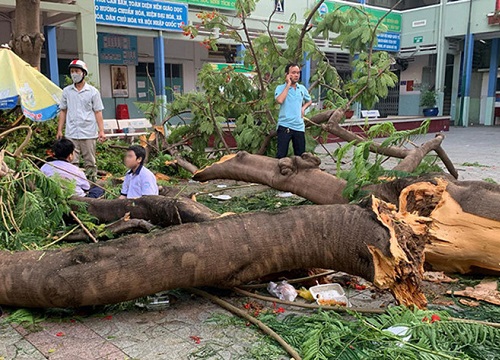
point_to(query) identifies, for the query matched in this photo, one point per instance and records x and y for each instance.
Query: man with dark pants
(294, 100)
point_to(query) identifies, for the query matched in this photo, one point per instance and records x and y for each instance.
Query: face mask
(76, 77)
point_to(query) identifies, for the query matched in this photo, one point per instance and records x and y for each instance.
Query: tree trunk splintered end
(402, 271)
(458, 240)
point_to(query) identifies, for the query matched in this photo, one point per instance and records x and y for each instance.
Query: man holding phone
(294, 100)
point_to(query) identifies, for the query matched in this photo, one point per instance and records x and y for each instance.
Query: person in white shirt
(139, 180)
(81, 113)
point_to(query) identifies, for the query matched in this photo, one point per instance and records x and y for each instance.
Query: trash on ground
(220, 197)
(305, 294)
(284, 195)
(283, 290)
(401, 331)
(158, 301)
(329, 295)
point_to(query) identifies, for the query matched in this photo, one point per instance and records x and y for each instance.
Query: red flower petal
(435, 317)
(108, 317)
(196, 339)
(60, 333)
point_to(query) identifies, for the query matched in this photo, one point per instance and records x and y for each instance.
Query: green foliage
(29, 319)
(110, 158)
(357, 30)
(490, 180)
(327, 335)
(262, 201)
(249, 98)
(367, 168)
(33, 207)
(474, 164)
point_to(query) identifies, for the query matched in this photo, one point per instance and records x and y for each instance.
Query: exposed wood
(459, 241)
(465, 218)
(486, 290)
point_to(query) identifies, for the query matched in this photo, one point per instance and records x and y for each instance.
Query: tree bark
(27, 40)
(158, 210)
(376, 243)
(298, 174)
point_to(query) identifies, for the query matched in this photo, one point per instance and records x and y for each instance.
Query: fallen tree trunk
(158, 210)
(376, 243)
(298, 174)
(465, 215)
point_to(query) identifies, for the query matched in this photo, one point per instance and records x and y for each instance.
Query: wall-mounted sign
(146, 14)
(389, 41)
(117, 49)
(419, 23)
(418, 39)
(216, 4)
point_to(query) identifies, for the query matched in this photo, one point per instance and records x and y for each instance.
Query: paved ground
(174, 333)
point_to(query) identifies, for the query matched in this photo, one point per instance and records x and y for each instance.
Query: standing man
(294, 100)
(81, 111)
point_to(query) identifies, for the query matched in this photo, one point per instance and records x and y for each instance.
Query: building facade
(450, 46)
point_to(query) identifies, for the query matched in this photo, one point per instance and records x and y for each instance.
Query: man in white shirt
(81, 112)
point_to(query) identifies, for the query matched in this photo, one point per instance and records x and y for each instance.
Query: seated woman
(61, 165)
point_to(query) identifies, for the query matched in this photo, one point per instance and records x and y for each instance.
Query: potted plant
(428, 102)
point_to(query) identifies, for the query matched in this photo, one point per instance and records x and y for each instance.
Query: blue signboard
(146, 14)
(117, 49)
(388, 41)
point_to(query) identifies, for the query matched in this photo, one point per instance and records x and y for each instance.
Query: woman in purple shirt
(61, 165)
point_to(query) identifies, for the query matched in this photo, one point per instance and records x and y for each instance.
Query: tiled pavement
(172, 333)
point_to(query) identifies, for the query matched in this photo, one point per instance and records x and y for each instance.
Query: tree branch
(305, 29)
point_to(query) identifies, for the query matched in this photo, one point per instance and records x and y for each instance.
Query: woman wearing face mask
(81, 112)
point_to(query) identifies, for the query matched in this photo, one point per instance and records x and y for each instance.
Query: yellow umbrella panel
(21, 83)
